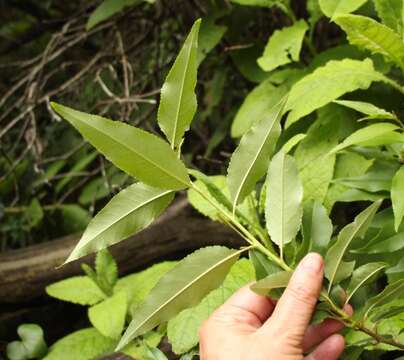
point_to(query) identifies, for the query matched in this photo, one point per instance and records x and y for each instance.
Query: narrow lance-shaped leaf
(257, 105)
(178, 100)
(372, 135)
(316, 229)
(392, 291)
(249, 161)
(328, 83)
(182, 287)
(356, 229)
(271, 282)
(283, 46)
(368, 34)
(107, 9)
(283, 210)
(128, 212)
(391, 244)
(397, 197)
(362, 275)
(372, 111)
(135, 151)
(182, 330)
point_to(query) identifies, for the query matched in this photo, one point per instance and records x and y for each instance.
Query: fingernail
(312, 262)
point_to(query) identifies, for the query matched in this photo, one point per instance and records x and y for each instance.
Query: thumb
(294, 309)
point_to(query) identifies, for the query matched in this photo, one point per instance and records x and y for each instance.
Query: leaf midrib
(255, 158)
(177, 112)
(355, 289)
(134, 151)
(144, 203)
(344, 250)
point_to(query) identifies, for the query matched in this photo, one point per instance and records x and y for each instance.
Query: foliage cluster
(318, 167)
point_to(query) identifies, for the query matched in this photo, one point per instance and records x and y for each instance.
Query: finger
(294, 309)
(247, 302)
(315, 334)
(330, 349)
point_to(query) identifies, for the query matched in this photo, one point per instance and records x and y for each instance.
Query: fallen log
(24, 273)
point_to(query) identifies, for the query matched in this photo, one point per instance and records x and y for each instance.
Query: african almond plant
(281, 184)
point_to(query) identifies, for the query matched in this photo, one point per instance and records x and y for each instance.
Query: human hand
(252, 327)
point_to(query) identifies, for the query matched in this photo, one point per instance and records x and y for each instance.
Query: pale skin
(253, 327)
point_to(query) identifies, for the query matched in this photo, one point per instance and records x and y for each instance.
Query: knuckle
(301, 293)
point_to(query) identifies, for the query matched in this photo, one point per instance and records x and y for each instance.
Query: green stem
(348, 321)
(392, 83)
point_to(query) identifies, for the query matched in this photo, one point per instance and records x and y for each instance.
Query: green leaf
(283, 46)
(106, 271)
(249, 161)
(362, 275)
(137, 286)
(345, 270)
(136, 349)
(391, 292)
(135, 151)
(256, 106)
(182, 331)
(283, 210)
(81, 345)
(368, 34)
(262, 265)
(321, 137)
(262, 3)
(390, 11)
(128, 212)
(389, 310)
(216, 190)
(316, 227)
(391, 244)
(348, 164)
(371, 135)
(153, 353)
(372, 111)
(182, 287)
(16, 351)
(333, 8)
(31, 346)
(77, 289)
(328, 83)
(108, 317)
(210, 35)
(178, 100)
(397, 197)
(399, 267)
(356, 229)
(107, 9)
(292, 142)
(378, 178)
(271, 282)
